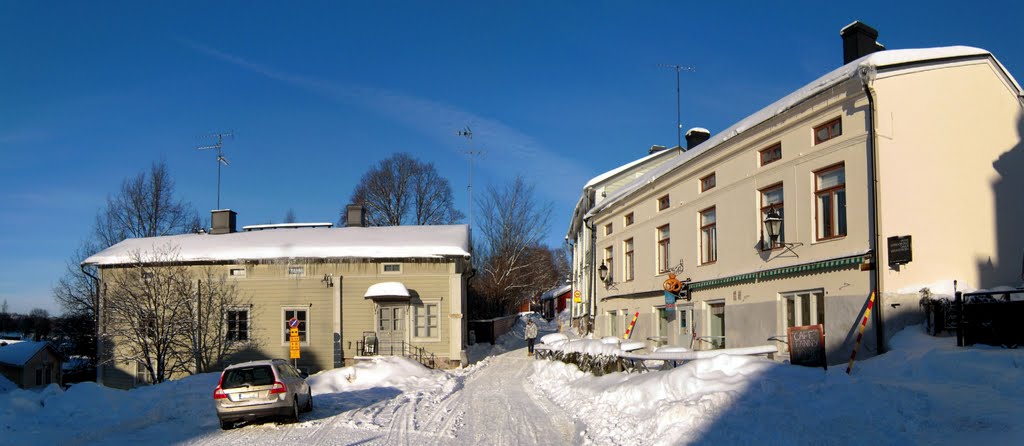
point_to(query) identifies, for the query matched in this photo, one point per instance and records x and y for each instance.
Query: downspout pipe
(96, 321)
(867, 76)
(592, 305)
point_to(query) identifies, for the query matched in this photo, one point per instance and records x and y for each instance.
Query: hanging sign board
(900, 251)
(807, 346)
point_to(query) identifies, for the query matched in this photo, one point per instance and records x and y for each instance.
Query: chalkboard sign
(807, 346)
(900, 251)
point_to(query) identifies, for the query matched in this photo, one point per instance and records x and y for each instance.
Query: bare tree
(145, 206)
(403, 190)
(220, 322)
(146, 311)
(514, 265)
(289, 217)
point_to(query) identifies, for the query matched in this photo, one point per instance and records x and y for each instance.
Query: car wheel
(294, 416)
(309, 402)
(227, 425)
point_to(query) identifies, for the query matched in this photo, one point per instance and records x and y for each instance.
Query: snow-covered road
(492, 403)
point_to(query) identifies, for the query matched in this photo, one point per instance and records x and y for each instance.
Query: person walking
(531, 335)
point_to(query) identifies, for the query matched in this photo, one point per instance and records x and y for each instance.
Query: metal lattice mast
(468, 134)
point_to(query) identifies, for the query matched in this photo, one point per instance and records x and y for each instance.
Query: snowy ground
(925, 391)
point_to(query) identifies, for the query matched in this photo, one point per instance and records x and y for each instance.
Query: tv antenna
(468, 134)
(220, 157)
(679, 123)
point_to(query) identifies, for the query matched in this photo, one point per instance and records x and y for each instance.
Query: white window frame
(284, 320)
(384, 268)
(663, 249)
(414, 320)
(242, 273)
(290, 272)
(812, 298)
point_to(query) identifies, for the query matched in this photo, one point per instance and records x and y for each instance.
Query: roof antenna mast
(220, 157)
(679, 123)
(468, 134)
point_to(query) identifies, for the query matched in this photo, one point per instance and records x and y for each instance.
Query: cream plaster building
(920, 143)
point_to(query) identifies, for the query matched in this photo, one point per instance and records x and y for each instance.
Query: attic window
(828, 130)
(628, 219)
(707, 182)
(392, 267)
(608, 229)
(296, 271)
(663, 203)
(237, 272)
(771, 154)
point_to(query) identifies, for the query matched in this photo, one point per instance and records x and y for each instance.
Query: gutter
(867, 76)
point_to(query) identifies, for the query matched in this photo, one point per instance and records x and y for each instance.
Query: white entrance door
(391, 329)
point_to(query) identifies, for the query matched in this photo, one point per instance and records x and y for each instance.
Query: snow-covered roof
(863, 67)
(555, 292)
(387, 289)
(19, 353)
(625, 167)
(324, 243)
(286, 226)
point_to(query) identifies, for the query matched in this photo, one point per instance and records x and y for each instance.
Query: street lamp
(602, 272)
(773, 222)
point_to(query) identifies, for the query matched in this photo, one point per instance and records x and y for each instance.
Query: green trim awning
(806, 268)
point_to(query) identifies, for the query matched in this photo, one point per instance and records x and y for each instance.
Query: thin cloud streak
(505, 146)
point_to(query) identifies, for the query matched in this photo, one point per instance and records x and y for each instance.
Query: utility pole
(220, 157)
(468, 134)
(679, 122)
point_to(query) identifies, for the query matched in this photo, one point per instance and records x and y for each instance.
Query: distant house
(555, 300)
(30, 364)
(355, 291)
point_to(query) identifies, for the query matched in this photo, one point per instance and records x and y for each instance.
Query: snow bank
(386, 371)
(925, 391)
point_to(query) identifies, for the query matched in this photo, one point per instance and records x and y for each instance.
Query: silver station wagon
(260, 389)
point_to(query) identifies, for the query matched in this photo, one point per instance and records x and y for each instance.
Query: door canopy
(387, 290)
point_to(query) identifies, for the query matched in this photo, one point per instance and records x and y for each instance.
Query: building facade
(354, 290)
(917, 149)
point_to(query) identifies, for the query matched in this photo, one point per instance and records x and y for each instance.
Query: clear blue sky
(93, 92)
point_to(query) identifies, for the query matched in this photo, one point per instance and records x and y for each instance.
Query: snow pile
(925, 391)
(385, 371)
(6, 385)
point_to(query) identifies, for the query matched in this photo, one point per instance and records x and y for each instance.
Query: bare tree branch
(402, 190)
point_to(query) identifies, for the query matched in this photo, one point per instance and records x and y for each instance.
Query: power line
(679, 122)
(220, 157)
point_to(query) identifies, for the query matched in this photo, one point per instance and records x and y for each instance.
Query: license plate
(247, 395)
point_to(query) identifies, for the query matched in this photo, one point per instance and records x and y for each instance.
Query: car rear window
(260, 375)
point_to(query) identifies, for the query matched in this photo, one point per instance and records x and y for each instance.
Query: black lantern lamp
(602, 272)
(773, 222)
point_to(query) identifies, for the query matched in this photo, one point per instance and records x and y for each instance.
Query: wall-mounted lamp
(328, 280)
(773, 224)
(602, 272)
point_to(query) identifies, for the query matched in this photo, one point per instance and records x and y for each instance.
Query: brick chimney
(695, 136)
(859, 40)
(222, 221)
(355, 215)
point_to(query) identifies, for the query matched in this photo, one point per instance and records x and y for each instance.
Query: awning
(387, 290)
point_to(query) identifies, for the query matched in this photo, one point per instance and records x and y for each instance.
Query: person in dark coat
(531, 335)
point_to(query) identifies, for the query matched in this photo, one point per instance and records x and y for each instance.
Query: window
(302, 314)
(771, 154)
(141, 374)
(426, 319)
(238, 325)
(608, 229)
(708, 236)
(627, 260)
(663, 203)
(707, 182)
(771, 198)
(237, 272)
(803, 308)
(663, 249)
(828, 130)
(628, 219)
(830, 191)
(147, 324)
(608, 259)
(296, 271)
(392, 268)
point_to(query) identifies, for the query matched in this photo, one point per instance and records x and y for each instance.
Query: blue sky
(559, 92)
